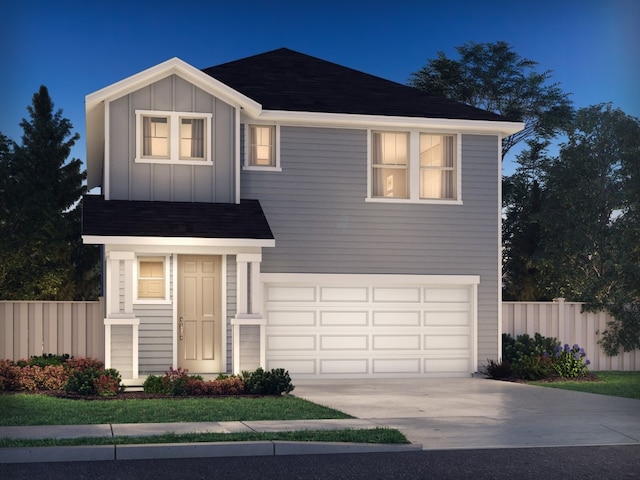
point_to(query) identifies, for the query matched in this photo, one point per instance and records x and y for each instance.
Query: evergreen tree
(39, 224)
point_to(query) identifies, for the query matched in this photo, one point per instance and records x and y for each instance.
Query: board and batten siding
(129, 180)
(322, 224)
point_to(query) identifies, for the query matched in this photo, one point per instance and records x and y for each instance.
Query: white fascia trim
(172, 241)
(369, 279)
(376, 121)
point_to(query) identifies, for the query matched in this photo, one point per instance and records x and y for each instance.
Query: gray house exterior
(287, 212)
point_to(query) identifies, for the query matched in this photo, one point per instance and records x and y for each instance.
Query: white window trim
(167, 274)
(174, 137)
(414, 169)
(247, 148)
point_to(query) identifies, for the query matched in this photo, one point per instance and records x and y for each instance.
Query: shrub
(48, 359)
(570, 362)
(498, 370)
(261, 382)
(153, 384)
(94, 381)
(9, 376)
(537, 358)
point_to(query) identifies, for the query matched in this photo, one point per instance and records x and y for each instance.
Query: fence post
(561, 320)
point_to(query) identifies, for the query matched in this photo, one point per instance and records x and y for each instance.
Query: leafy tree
(590, 226)
(39, 224)
(522, 197)
(493, 77)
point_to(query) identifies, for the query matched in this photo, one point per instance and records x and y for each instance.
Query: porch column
(120, 325)
(249, 309)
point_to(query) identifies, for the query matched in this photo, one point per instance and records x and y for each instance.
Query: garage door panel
(294, 366)
(391, 365)
(344, 342)
(291, 342)
(292, 318)
(446, 318)
(446, 342)
(453, 294)
(291, 294)
(446, 365)
(344, 318)
(398, 319)
(344, 294)
(396, 342)
(396, 295)
(346, 366)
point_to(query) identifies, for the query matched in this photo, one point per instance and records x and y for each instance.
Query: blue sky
(78, 47)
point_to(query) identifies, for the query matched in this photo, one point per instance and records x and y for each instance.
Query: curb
(90, 453)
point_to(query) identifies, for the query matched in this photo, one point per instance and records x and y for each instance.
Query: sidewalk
(184, 450)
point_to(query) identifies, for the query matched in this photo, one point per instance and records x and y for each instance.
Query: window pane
(390, 182)
(390, 148)
(437, 184)
(155, 133)
(192, 144)
(262, 146)
(437, 166)
(151, 278)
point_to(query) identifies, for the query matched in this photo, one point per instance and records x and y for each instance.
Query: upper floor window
(261, 150)
(173, 137)
(390, 162)
(414, 166)
(437, 167)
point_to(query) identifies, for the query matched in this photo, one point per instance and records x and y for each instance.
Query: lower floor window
(151, 277)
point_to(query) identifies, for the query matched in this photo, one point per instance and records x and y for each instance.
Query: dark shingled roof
(287, 80)
(102, 217)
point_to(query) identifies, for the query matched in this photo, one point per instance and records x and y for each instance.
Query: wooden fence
(77, 328)
(35, 328)
(569, 324)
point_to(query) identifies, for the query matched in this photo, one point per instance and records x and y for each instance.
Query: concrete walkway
(479, 413)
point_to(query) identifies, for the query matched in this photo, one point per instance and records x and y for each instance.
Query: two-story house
(284, 211)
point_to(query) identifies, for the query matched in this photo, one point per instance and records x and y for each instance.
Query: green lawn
(617, 384)
(25, 409)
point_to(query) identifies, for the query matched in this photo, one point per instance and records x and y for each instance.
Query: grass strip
(374, 435)
(617, 384)
(29, 409)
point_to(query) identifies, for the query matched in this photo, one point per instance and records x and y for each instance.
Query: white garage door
(364, 325)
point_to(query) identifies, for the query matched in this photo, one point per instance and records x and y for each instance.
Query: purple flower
(582, 352)
(576, 347)
(566, 347)
(576, 356)
(588, 362)
(545, 355)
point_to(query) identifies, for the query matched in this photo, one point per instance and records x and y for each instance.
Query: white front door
(199, 313)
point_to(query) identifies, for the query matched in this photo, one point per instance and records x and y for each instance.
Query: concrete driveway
(479, 413)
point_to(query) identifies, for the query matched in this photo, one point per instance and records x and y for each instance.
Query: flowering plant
(570, 362)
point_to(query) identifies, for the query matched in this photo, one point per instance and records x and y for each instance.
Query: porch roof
(126, 218)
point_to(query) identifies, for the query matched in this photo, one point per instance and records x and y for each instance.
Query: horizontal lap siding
(322, 224)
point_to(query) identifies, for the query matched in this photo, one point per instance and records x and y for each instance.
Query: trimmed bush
(51, 372)
(260, 382)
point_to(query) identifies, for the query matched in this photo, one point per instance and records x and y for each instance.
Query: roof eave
(181, 241)
(503, 128)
